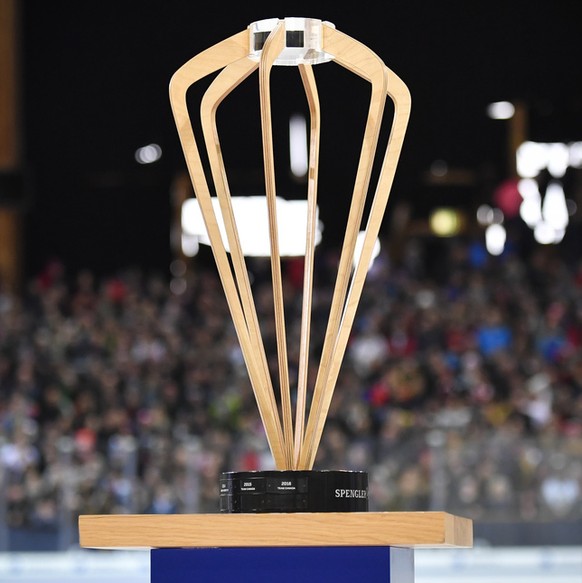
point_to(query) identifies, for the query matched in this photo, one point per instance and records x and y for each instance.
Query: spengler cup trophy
(292, 523)
(293, 439)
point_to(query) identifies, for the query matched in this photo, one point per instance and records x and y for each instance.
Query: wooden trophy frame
(236, 57)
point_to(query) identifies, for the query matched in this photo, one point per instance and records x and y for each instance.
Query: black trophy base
(294, 491)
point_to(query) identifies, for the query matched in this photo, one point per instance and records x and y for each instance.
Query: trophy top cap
(303, 40)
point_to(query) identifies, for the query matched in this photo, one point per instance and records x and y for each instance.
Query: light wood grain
(209, 61)
(271, 50)
(342, 46)
(403, 529)
(224, 83)
(308, 78)
(359, 59)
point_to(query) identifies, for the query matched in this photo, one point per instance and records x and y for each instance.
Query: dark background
(95, 88)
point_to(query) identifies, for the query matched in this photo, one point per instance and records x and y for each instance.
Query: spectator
(135, 398)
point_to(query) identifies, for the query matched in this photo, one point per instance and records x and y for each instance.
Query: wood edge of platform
(432, 529)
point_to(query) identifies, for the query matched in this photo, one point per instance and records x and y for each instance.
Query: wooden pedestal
(255, 548)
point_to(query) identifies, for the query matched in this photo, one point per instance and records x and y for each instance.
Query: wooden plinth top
(402, 529)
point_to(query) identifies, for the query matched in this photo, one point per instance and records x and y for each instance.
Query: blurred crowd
(460, 388)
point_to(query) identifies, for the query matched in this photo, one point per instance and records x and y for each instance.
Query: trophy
(293, 417)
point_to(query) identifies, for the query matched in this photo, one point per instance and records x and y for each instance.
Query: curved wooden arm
(209, 61)
(359, 59)
(271, 50)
